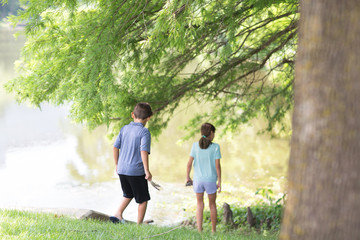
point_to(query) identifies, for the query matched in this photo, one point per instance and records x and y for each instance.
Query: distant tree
(324, 170)
(102, 57)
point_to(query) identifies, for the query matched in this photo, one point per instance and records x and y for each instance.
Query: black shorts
(135, 187)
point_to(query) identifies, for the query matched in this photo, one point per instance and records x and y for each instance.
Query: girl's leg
(199, 210)
(123, 204)
(213, 211)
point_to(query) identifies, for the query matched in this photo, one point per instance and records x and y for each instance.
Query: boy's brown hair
(142, 111)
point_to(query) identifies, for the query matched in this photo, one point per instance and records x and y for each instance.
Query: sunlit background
(46, 161)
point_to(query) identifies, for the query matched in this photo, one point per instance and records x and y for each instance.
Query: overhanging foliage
(103, 56)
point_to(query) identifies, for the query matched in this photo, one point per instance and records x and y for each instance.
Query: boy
(132, 164)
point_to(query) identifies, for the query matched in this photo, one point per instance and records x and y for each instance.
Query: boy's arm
(218, 172)
(145, 160)
(116, 156)
(188, 169)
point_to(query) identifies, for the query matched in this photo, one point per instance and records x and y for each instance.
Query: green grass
(26, 225)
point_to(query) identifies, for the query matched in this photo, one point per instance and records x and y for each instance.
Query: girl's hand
(219, 187)
(189, 182)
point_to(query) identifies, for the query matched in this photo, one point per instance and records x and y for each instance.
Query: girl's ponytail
(206, 130)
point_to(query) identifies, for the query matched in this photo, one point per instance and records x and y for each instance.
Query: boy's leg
(127, 195)
(140, 190)
(123, 204)
(141, 212)
(199, 210)
(213, 211)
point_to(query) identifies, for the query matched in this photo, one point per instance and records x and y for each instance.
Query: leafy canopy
(104, 56)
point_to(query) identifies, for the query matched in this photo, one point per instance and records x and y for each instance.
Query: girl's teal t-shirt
(204, 162)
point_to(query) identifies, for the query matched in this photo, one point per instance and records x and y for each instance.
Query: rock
(76, 213)
(95, 215)
(189, 222)
(91, 214)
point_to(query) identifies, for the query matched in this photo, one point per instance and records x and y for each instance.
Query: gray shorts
(209, 187)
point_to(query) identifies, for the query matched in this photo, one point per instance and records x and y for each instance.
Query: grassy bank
(25, 225)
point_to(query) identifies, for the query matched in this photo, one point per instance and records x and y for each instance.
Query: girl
(205, 156)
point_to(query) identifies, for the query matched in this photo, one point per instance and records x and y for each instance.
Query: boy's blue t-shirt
(132, 139)
(204, 162)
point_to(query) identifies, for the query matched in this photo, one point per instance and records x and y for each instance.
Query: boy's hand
(219, 187)
(148, 176)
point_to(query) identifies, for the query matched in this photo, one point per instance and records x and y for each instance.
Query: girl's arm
(188, 169)
(218, 172)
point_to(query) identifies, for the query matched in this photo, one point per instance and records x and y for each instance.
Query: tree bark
(324, 169)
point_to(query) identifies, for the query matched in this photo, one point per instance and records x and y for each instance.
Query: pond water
(49, 162)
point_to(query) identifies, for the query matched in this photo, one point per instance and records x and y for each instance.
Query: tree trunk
(228, 215)
(250, 218)
(324, 169)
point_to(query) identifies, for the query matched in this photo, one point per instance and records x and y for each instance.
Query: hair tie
(204, 136)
